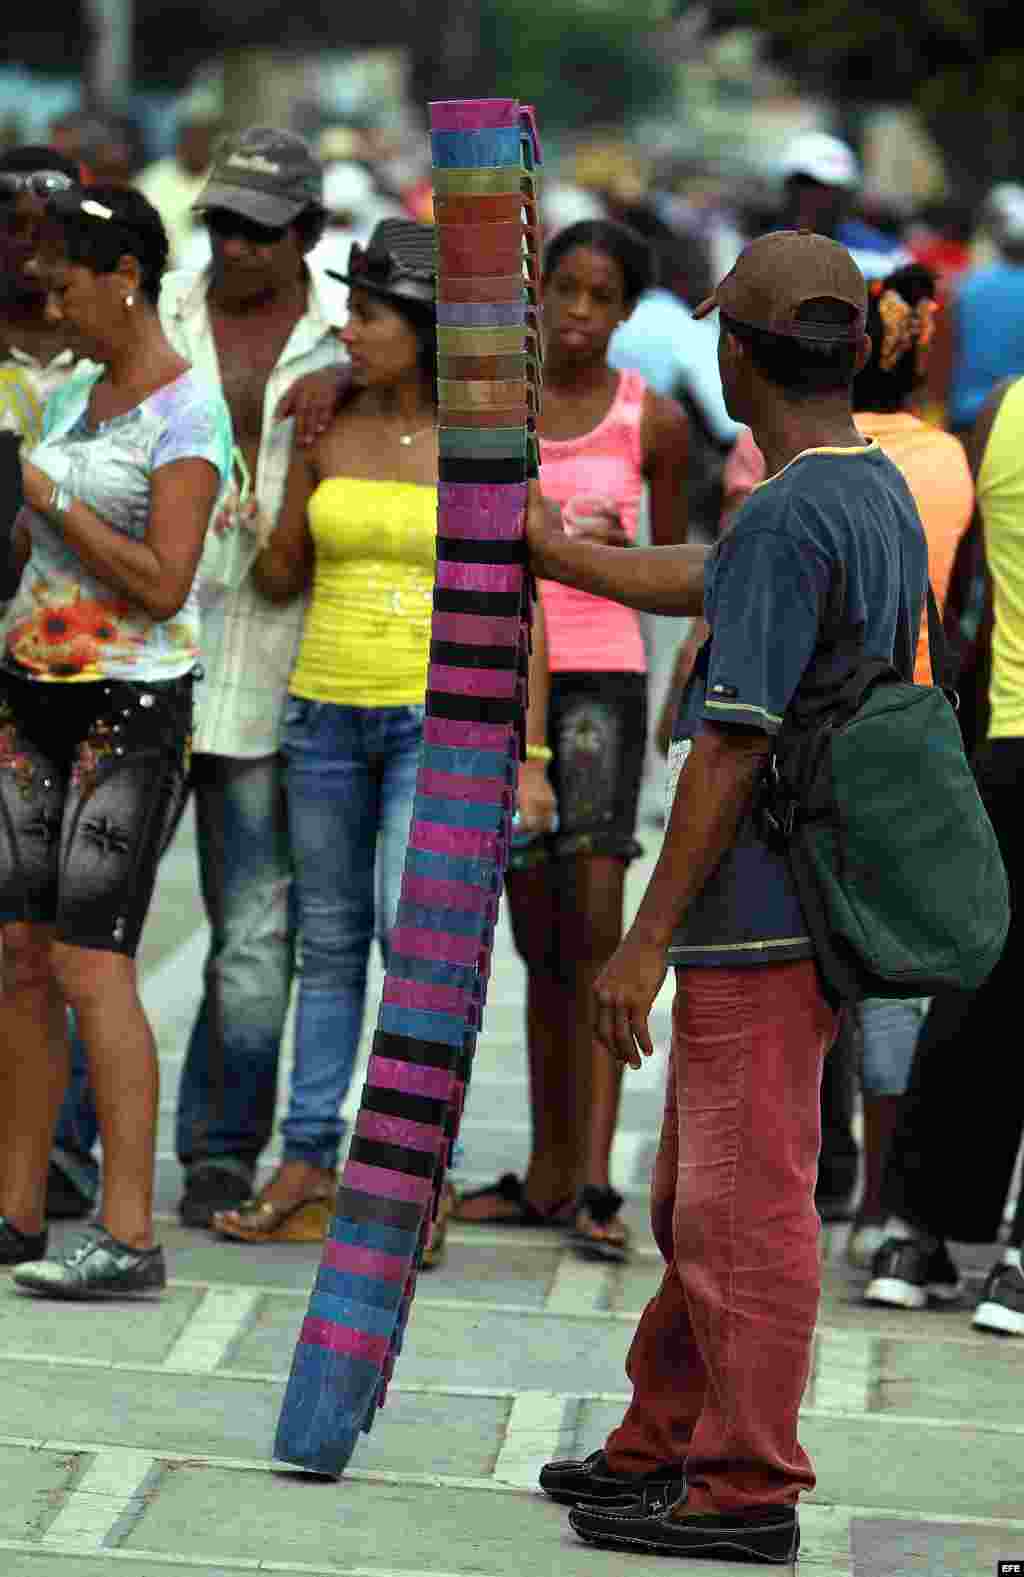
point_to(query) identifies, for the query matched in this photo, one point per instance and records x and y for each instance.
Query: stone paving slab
(43, 1563)
(984, 1384)
(147, 1410)
(632, 1286)
(494, 1275)
(825, 1542)
(206, 1415)
(199, 1256)
(886, 1548)
(934, 1471)
(468, 1347)
(377, 1527)
(34, 1483)
(131, 1331)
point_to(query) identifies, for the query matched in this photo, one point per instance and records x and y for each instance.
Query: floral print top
(64, 624)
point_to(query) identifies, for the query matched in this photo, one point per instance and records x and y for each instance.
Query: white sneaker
(862, 1246)
(1001, 1307)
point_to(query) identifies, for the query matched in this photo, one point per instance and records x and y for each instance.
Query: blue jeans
(351, 782)
(889, 1030)
(229, 1082)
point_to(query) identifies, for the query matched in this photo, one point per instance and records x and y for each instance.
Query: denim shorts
(889, 1029)
(92, 777)
(597, 731)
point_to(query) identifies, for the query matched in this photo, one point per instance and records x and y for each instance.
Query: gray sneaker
(95, 1266)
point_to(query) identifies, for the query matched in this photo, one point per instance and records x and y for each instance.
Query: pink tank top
(590, 634)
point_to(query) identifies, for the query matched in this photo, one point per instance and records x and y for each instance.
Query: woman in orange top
(901, 316)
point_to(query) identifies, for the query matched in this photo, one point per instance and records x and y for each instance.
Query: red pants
(722, 1353)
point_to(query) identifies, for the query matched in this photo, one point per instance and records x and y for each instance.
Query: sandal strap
(264, 1215)
(601, 1204)
(508, 1187)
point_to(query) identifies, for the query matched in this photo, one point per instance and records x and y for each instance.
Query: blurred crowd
(695, 216)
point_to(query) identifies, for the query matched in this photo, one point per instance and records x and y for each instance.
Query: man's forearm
(714, 794)
(667, 580)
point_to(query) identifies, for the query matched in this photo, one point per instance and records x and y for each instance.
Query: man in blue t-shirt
(821, 179)
(825, 560)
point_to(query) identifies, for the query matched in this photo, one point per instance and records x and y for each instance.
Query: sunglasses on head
(227, 226)
(41, 183)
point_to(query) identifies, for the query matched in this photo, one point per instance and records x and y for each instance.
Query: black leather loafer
(766, 1534)
(17, 1247)
(96, 1266)
(591, 1482)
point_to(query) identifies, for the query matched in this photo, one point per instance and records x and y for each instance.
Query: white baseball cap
(1005, 209)
(824, 158)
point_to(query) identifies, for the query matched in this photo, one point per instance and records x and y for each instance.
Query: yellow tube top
(366, 637)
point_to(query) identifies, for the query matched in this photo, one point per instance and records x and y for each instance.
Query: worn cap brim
(402, 289)
(263, 208)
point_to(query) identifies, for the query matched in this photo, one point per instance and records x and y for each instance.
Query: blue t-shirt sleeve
(764, 602)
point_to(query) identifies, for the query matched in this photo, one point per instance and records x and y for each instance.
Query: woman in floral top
(99, 638)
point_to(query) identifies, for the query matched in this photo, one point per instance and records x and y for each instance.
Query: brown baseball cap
(776, 278)
(265, 174)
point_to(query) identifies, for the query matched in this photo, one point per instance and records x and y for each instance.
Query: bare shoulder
(348, 427)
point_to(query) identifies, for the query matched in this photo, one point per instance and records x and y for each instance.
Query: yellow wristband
(538, 753)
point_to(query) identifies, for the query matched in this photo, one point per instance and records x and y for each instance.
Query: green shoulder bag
(892, 851)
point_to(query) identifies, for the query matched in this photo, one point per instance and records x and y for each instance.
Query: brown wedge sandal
(261, 1221)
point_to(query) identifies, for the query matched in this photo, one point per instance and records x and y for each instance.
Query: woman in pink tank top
(604, 438)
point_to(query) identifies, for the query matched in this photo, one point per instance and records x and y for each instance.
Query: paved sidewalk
(134, 1438)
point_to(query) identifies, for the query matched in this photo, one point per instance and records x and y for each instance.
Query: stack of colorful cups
(484, 153)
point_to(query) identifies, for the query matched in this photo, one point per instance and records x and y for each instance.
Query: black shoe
(591, 1482)
(66, 1197)
(96, 1266)
(1002, 1302)
(770, 1534)
(17, 1247)
(907, 1272)
(209, 1188)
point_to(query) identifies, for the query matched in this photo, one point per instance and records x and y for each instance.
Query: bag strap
(944, 666)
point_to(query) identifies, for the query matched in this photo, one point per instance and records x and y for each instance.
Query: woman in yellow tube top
(357, 532)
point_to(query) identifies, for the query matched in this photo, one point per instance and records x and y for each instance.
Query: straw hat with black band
(399, 263)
